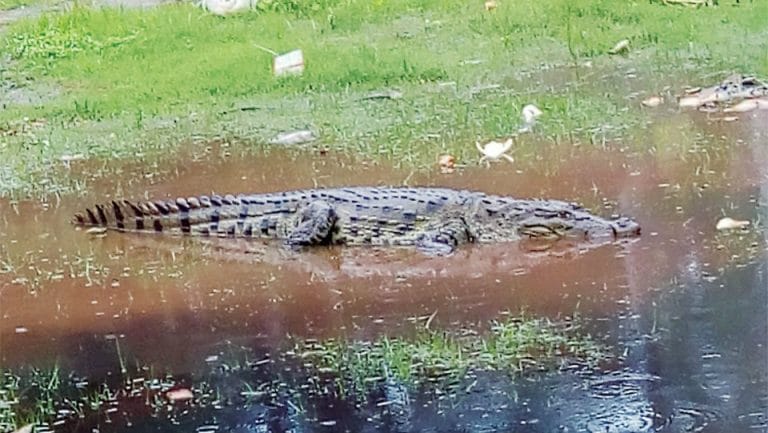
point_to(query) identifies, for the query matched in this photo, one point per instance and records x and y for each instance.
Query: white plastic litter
(227, 7)
(288, 63)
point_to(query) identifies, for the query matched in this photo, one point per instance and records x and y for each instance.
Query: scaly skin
(435, 220)
(734, 87)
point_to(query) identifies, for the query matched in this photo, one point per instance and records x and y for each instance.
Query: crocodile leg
(316, 222)
(444, 239)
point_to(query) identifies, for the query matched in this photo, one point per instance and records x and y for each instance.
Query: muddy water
(684, 307)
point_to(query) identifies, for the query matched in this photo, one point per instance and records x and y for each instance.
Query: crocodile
(434, 220)
(733, 88)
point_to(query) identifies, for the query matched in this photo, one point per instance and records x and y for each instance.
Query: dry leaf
(446, 161)
(730, 223)
(491, 5)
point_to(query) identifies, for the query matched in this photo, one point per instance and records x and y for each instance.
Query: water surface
(684, 307)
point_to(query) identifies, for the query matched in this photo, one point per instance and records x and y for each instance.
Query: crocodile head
(553, 220)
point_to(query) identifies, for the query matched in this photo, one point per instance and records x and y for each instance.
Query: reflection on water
(685, 307)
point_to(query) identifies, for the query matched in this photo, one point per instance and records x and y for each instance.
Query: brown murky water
(685, 304)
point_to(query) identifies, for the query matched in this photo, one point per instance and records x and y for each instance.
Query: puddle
(684, 306)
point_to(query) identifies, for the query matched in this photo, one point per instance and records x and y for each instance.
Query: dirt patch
(11, 16)
(29, 93)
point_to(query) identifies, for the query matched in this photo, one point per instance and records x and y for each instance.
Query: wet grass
(30, 399)
(464, 72)
(428, 360)
(512, 345)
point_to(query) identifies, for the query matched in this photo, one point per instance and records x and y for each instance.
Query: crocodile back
(273, 215)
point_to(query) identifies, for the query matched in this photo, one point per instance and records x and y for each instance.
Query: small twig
(429, 321)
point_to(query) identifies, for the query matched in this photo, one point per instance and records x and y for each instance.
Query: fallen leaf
(491, 5)
(730, 223)
(446, 161)
(181, 394)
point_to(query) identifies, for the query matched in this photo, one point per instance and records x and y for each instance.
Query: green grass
(512, 345)
(427, 360)
(124, 70)
(12, 4)
(30, 399)
(117, 61)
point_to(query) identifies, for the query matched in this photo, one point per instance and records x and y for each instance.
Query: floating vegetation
(512, 345)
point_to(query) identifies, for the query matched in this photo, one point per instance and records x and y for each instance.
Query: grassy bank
(110, 81)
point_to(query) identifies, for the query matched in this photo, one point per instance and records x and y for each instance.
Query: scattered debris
(96, 231)
(692, 90)
(729, 119)
(384, 94)
(67, 159)
(472, 62)
(447, 163)
(226, 7)
(652, 101)
(530, 114)
(291, 63)
(181, 394)
(483, 88)
(730, 223)
(692, 3)
(494, 150)
(294, 137)
(621, 47)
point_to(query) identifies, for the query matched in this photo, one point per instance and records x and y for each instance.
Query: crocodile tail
(182, 215)
(119, 215)
(126, 215)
